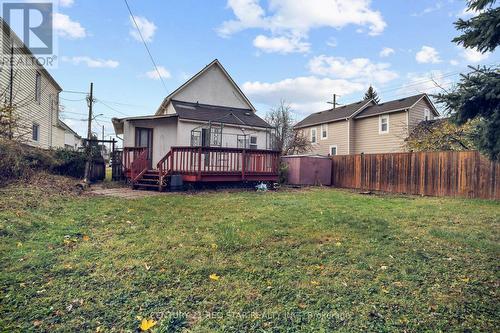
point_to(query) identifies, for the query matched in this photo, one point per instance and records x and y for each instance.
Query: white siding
(212, 87)
(164, 135)
(27, 110)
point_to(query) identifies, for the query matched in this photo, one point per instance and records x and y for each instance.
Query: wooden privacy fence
(447, 173)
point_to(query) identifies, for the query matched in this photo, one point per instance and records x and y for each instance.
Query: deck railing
(134, 161)
(201, 162)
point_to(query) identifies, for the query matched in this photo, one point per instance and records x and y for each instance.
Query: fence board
(446, 173)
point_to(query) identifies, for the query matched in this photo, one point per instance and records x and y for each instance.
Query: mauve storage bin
(308, 169)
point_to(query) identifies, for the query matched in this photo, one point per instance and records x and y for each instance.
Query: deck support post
(243, 164)
(199, 163)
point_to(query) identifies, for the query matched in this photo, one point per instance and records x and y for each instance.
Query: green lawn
(313, 260)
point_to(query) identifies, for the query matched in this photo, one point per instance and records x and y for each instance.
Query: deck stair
(150, 180)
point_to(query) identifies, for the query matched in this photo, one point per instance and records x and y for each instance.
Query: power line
(146, 46)
(111, 108)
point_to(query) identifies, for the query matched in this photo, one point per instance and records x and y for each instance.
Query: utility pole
(334, 101)
(90, 101)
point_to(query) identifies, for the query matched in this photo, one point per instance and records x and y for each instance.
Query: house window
(314, 135)
(324, 131)
(38, 87)
(35, 132)
(333, 150)
(383, 121)
(427, 114)
(253, 142)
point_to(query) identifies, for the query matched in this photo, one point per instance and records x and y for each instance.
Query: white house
(208, 110)
(72, 140)
(33, 94)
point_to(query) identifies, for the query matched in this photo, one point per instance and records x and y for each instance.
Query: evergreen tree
(480, 32)
(477, 95)
(372, 94)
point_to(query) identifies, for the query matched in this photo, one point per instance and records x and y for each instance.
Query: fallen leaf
(214, 246)
(383, 268)
(214, 277)
(315, 283)
(19, 244)
(146, 324)
(86, 238)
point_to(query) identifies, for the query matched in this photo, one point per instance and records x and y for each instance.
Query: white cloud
(65, 27)
(437, 6)
(332, 42)
(66, 3)
(280, 44)
(155, 75)
(91, 62)
(386, 51)
(359, 69)
(147, 28)
(306, 93)
(293, 18)
(454, 62)
(427, 55)
(472, 55)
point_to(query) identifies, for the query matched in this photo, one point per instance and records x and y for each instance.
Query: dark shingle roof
(390, 106)
(339, 113)
(216, 113)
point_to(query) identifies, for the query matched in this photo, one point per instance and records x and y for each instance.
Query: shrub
(69, 163)
(18, 160)
(22, 161)
(283, 173)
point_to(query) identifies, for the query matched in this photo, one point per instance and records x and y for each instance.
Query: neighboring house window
(333, 150)
(314, 135)
(38, 87)
(427, 114)
(253, 142)
(324, 131)
(383, 121)
(36, 132)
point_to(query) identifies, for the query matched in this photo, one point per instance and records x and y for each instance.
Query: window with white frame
(333, 150)
(324, 131)
(314, 135)
(383, 124)
(427, 114)
(253, 142)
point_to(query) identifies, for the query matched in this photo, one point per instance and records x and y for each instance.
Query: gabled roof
(339, 113)
(395, 105)
(67, 128)
(215, 62)
(215, 113)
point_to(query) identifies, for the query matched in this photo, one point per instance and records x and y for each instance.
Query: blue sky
(302, 51)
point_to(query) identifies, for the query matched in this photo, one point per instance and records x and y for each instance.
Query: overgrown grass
(310, 261)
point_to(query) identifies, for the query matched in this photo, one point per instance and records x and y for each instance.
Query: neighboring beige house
(35, 96)
(366, 127)
(207, 110)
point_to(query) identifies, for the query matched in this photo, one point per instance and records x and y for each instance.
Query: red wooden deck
(206, 164)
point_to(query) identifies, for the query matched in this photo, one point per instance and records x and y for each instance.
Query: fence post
(199, 162)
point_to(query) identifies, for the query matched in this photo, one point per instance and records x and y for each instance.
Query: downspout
(348, 136)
